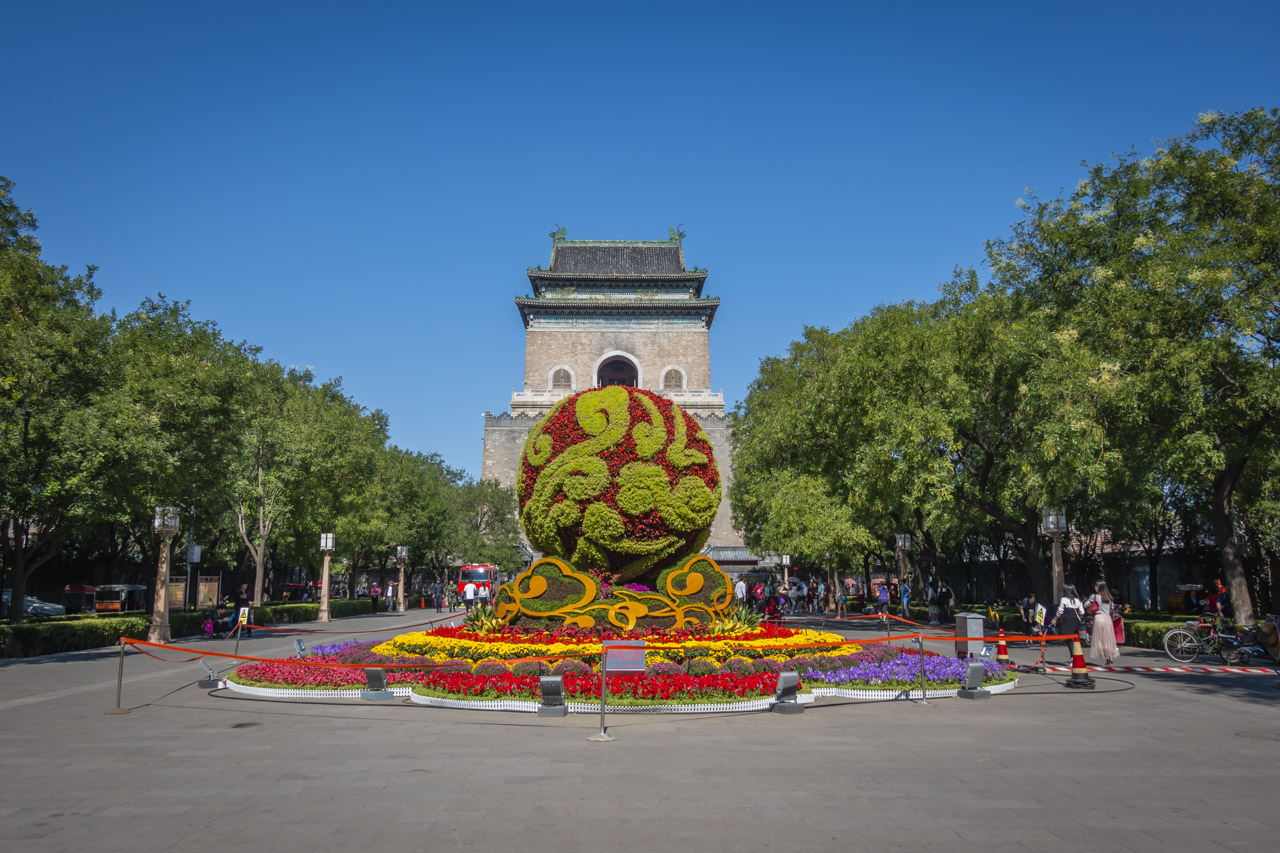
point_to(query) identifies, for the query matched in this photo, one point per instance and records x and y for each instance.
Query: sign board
(207, 590)
(243, 618)
(177, 593)
(1040, 614)
(624, 656)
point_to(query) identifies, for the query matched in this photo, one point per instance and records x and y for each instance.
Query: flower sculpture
(617, 483)
(618, 480)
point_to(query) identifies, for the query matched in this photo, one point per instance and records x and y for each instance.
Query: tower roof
(617, 259)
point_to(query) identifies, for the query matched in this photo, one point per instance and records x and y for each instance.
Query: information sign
(1040, 614)
(624, 655)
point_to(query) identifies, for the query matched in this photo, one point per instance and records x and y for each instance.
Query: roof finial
(677, 233)
(558, 234)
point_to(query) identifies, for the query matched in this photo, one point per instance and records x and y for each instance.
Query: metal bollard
(119, 686)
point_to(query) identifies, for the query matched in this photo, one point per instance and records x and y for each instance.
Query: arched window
(560, 380)
(617, 371)
(673, 380)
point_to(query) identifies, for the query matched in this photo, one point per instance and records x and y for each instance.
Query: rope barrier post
(924, 697)
(603, 737)
(119, 686)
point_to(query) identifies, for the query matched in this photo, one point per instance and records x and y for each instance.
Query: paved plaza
(1143, 763)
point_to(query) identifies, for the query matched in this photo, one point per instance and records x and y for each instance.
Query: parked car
(32, 606)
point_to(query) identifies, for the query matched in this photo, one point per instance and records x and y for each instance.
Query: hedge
(51, 637)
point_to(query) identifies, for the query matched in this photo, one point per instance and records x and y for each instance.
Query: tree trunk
(18, 577)
(1225, 538)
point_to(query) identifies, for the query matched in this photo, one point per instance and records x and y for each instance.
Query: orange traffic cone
(1002, 651)
(422, 603)
(1079, 672)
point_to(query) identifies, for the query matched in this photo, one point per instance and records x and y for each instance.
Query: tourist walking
(882, 603)
(1070, 614)
(906, 600)
(1103, 647)
(437, 594)
(469, 595)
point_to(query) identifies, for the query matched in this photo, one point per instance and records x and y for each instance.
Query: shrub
(531, 667)
(46, 638)
(701, 666)
(800, 664)
(664, 667)
(737, 666)
(766, 665)
(570, 667)
(491, 667)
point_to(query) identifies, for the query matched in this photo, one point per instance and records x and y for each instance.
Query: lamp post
(326, 547)
(166, 524)
(902, 544)
(786, 569)
(402, 554)
(1054, 524)
(830, 603)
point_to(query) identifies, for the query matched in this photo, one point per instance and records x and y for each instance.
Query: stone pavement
(1142, 763)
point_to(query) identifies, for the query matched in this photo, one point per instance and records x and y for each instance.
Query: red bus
(483, 575)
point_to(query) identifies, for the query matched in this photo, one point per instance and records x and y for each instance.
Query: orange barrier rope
(326, 665)
(369, 631)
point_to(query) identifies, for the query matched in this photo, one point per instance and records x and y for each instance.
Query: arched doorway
(618, 370)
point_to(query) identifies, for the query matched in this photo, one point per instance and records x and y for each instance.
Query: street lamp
(402, 554)
(166, 524)
(786, 569)
(830, 603)
(326, 547)
(1054, 524)
(902, 544)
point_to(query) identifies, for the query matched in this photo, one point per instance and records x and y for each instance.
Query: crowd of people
(797, 596)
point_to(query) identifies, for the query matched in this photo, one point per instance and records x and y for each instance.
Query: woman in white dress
(1103, 648)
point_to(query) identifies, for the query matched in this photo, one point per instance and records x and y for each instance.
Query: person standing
(244, 601)
(482, 594)
(437, 594)
(469, 595)
(375, 593)
(740, 592)
(906, 600)
(944, 602)
(1103, 648)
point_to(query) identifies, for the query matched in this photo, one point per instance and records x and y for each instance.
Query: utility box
(968, 634)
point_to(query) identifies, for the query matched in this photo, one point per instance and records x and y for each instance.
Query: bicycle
(1185, 643)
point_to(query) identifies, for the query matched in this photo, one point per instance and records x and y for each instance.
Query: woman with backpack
(1070, 612)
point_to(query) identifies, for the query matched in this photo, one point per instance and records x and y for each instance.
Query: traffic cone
(1002, 651)
(1079, 672)
(422, 605)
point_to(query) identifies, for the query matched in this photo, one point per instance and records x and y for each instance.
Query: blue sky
(359, 187)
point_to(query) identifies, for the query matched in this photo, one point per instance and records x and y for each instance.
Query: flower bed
(678, 646)
(630, 689)
(890, 667)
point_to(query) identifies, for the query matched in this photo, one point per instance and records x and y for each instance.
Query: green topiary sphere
(618, 480)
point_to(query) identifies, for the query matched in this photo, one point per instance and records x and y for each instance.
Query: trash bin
(968, 634)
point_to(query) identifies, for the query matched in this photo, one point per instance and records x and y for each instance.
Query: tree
(53, 368)
(1165, 267)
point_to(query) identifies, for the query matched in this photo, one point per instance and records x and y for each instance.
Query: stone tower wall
(580, 349)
